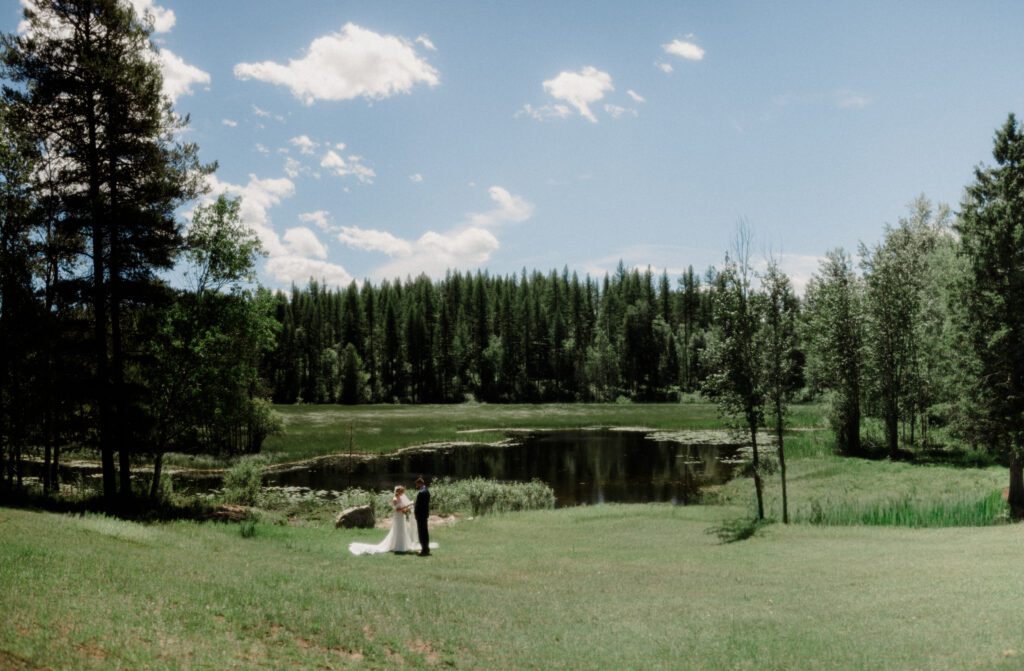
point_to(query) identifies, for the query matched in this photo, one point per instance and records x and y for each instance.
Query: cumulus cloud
(425, 41)
(352, 63)
(319, 218)
(230, 123)
(299, 270)
(435, 253)
(179, 76)
(305, 145)
(161, 18)
(416, 178)
(371, 240)
(636, 96)
(302, 241)
(580, 89)
(350, 165)
(466, 246)
(683, 49)
(664, 67)
(509, 208)
(297, 258)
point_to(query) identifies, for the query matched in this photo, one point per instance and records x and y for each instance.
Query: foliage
(479, 496)
(85, 85)
(991, 228)
(901, 362)
(734, 358)
(243, 481)
(833, 328)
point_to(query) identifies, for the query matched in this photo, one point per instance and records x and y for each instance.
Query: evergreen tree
(90, 87)
(991, 228)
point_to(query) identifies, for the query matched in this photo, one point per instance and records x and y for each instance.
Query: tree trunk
(154, 487)
(1015, 498)
(892, 431)
(782, 462)
(758, 485)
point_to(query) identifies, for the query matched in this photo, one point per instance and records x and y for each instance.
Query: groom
(421, 510)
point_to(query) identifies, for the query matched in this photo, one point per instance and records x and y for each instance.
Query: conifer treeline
(531, 337)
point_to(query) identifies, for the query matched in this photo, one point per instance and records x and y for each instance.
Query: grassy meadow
(614, 587)
(851, 584)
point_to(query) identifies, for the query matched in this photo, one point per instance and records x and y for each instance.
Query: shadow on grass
(937, 455)
(738, 529)
(138, 509)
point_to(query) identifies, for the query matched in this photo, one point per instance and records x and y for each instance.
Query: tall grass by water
(909, 511)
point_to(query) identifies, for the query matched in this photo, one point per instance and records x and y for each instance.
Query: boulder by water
(358, 517)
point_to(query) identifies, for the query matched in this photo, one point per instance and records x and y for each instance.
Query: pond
(582, 466)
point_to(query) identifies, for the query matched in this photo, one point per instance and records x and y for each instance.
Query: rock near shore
(358, 517)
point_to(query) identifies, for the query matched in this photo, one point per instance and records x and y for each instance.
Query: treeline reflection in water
(582, 466)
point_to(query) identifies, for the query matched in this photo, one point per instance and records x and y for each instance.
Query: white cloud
(425, 41)
(319, 217)
(258, 196)
(262, 148)
(288, 261)
(636, 96)
(509, 208)
(580, 89)
(300, 270)
(435, 253)
(305, 145)
(416, 178)
(230, 123)
(616, 111)
(179, 76)
(264, 114)
(292, 167)
(545, 112)
(302, 241)
(371, 240)
(851, 100)
(162, 19)
(664, 67)
(687, 50)
(352, 63)
(350, 165)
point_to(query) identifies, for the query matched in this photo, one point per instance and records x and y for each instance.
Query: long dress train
(401, 538)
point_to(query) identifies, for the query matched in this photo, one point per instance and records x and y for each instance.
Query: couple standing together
(404, 537)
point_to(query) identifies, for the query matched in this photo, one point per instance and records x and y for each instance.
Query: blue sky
(378, 139)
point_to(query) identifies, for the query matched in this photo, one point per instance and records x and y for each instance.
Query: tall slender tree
(734, 359)
(835, 344)
(780, 359)
(991, 227)
(87, 84)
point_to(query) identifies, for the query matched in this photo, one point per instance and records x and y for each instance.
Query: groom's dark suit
(422, 511)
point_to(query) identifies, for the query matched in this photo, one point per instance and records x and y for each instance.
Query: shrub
(243, 481)
(478, 496)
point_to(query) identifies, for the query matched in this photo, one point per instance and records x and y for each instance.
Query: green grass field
(848, 586)
(611, 587)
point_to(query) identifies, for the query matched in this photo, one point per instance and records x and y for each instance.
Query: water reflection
(582, 466)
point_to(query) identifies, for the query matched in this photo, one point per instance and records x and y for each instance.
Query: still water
(582, 466)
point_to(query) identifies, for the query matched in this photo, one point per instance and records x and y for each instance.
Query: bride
(401, 538)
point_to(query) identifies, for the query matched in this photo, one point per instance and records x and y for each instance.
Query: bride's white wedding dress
(402, 537)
